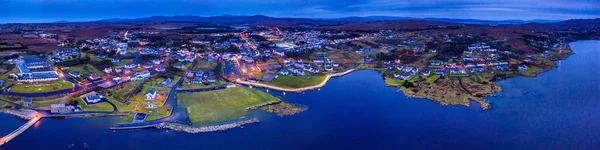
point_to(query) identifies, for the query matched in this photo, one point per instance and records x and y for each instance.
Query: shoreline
(204, 129)
(322, 84)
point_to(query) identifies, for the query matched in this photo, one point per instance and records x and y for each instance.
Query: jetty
(31, 115)
(295, 89)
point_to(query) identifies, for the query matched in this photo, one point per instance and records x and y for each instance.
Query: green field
(45, 103)
(200, 85)
(204, 65)
(98, 107)
(121, 92)
(221, 105)
(393, 82)
(122, 106)
(43, 87)
(432, 78)
(532, 70)
(159, 114)
(85, 70)
(297, 81)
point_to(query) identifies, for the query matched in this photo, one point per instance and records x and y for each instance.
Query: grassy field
(204, 65)
(121, 92)
(200, 85)
(44, 87)
(127, 119)
(393, 82)
(297, 81)
(45, 103)
(221, 105)
(432, 78)
(158, 114)
(532, 71)
(366, 66)
(122, 106)
(85, 70)
(97, 107)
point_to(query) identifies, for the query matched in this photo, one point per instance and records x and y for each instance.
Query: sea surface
(357, 111)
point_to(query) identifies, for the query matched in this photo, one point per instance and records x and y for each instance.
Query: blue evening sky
(86, 10)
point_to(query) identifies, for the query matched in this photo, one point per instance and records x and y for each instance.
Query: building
(58, 108)
(143, 74)
(35, 69)
(93, 99)
(27, 101)
(151, 95)
(405, 76)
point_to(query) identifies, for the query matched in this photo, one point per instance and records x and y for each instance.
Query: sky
(28, 11)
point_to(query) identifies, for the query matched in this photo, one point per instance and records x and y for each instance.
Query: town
(192, 74)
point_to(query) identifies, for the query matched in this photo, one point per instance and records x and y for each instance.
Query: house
(425, 72)
(440, 72)
(147, 65)
(160, 69)
(115, 60)
(284, 72)
(396, 76)
(75, 74)
(143, 74)
(405, 76)
(100, 56)
(318, 60)
(151, 95)
(58, 108)
(523, 67)
(27, 101)
(93, 99)
(94, 77)
(230, 85)
(166, 81)
(107, 70)
(130, 66)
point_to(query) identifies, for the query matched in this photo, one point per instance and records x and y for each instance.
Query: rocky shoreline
(204, 129)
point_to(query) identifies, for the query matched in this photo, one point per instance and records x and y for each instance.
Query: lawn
(127, 119)
(122, 106)
(432, 78)
(221, 105)
(121, 92)
(42, 87)
(366, 66)
(85, 70)
(393, 82)
(200, 85)
(532, 70)
(204, 65)
(159, 114)
(98, 107)
(45, 103)
(297, 81)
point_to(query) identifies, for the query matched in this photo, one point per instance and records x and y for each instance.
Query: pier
(33, 118)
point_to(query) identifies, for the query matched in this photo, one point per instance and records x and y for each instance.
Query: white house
(151, 95)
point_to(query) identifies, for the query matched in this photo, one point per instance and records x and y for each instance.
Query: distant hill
(580, 23)
(230, 19)
(461, 21)
(224, 19)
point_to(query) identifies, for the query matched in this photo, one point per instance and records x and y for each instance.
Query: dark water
(561, 111)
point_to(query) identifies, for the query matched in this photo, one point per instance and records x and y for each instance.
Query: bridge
(20, 130)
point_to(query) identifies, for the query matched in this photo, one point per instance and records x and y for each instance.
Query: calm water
(561, 111)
